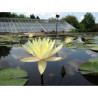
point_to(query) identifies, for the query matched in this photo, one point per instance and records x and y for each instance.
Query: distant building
(18, 25)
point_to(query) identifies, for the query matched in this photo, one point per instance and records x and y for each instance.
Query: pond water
(53, 75)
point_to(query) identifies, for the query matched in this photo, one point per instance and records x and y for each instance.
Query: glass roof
(32, 25)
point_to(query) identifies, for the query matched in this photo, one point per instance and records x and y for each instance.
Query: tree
(5, 14)
(52, 18)
(71, 20)
(21, 16)
(32, 16)
(81, 26)
(95, 28)
(11, 15)
(37, 17)
(14, 15)
(88, 21)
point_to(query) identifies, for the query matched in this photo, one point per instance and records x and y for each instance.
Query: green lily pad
(82, 47)
(93, 60)
(12, 77)
(89, 68)
(77, 46)
(89, 45)
(94, 48)
(70, 46)
(13, 82)
(59, 42)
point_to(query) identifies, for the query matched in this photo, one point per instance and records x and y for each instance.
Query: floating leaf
(77, 46)
(93, 60)
(12, 77)
(13, 82)
(89, 45)
(71, 46)
(94, 48)
(89, 68)
(59, 42)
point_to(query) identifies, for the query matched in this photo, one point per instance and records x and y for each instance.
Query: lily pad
(70, 46)
(94, 48)
(12, 77)
(89, 45)
(77, 46)
(93, 60)
(82, 47)
(59, 42)
(89, 68)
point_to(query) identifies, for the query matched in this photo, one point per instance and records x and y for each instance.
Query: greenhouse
(33, 25)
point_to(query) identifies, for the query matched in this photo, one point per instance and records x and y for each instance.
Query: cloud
(93, 54)
(19, 52)
(65, 52)
(74, 65)
(53, 15)
(81, 18)
(96, 20)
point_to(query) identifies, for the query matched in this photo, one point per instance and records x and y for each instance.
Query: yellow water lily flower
(31, 35)
(42, 50)
(68, 40)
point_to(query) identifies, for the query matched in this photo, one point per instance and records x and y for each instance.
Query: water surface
(10, 58)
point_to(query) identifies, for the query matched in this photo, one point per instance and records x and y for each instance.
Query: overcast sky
(47, 15)
(46, 9)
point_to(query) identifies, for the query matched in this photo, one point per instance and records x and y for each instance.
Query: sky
(47, 15)
(46, 9)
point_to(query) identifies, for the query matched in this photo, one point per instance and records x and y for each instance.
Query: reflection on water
(42, 80)
(54, 73)
(4, 51)
(63, 71)
(92, 79)
(93, 54)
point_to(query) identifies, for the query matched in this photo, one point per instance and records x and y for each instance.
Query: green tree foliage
(11, 15)
(81, 25)
(37, 17)
(95, 28)
(88, 21)
(71, 20)
(52, 18)
(32, 16)
(21, 16)
(14, 15)
(5, 14)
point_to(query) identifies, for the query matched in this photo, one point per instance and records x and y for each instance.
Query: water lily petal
(35, 48)
(41, 66)
(29, 59)
(50, 47)
(55, 50)
(28, 49)
(54, 58)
